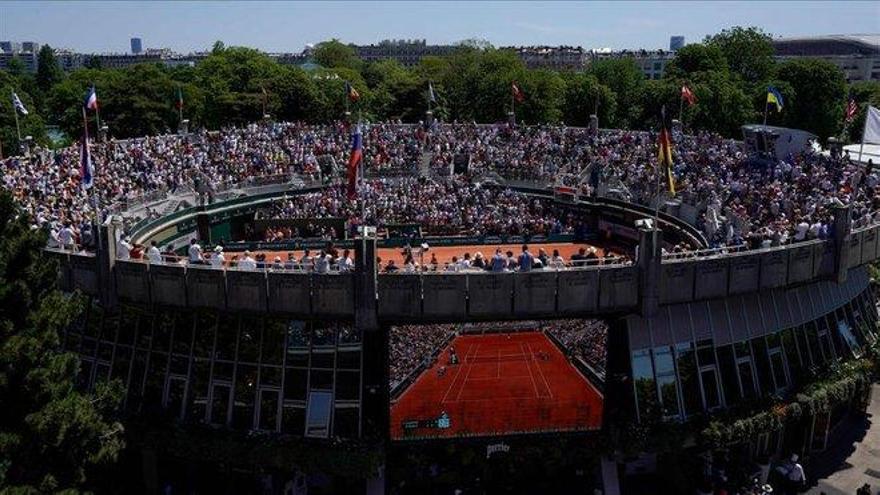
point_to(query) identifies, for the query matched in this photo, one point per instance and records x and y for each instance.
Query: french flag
(86, 167)
(91, 101)
(354, 161)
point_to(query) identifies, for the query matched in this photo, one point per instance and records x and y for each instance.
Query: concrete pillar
(840, 233)
(594, 125)
(105, 256)
(511, 118)
(648, 260)
(375, 341)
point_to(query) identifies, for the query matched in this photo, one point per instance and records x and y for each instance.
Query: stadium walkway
(854, 459)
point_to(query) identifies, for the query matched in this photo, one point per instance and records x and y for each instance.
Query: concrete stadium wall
(435, 297)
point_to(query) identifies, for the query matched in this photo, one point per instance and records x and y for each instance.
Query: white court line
(457, 372)
(528, 367)
(538, 365)
(470, 367)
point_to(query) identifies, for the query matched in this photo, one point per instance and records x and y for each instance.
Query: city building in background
(857, 55)
(25, 51)
(408, 52)
(136, 46)
(676, 43)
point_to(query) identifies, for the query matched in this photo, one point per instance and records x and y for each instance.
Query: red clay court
(504, 384)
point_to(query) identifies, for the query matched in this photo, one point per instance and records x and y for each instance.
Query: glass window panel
(155, 381)
(789, 345)
(710, 388)
(145, 332)
(706, 355)
(85, 374)
(128, 326)
(777, 364)
(350, 360)
(727, 369)
(227, 335)
(295, 384)
(220, 397)
(136, 382)
(834, 336)
(323, 360)
(223, 370)
(269, 402)
(645, 388)
(93, 325)
(176, 389)
(345, 422)
(198, 392)
(348, 334)
(273, 342)
(348, 385)
(206, 324)
(245, 395)
(293, 420)
(747, 378)
(813, 341)
(803, 341)
(321, 379)
(665, 368)
(299, 359)
(687, 374)
(179, 365)
(162, 331)
(318, 414)
(249, 340)
(183, 335)
(323, 334)
(121, 364)
(270, 375)
(762, 365)
(297, 336)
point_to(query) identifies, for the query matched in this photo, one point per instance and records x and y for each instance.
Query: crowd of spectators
(738, 201)
(586, 339)
(413, 345)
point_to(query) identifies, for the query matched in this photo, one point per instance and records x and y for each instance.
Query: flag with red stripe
(354, 161)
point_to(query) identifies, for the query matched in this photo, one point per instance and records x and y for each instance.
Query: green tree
(749, 52)
(696, 58)
(31, 124)
(583, 96)
(818, 101)
(334, 53)
(865, 93)
(627, 81)
(49, 72)
(295, 93)
(51, 435)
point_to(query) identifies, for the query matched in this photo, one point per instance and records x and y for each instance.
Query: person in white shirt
(195, 253)
(322, 263)
(346, 264)
(66, 237)
(153, 253)
(247, 263)
(217, 259)
(123, 248)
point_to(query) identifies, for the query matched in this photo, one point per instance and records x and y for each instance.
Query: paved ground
(854, 457)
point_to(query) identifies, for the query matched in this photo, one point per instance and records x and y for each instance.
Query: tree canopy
(51, 434)
(729, 73)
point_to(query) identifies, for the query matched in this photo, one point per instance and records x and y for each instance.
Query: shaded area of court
(503, 384)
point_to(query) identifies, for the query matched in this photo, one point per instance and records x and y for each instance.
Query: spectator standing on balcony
(346, 264)
(66, 237)
(195, 253)
(217, 259)
(322, 263)
(526, 260)
(247, 263)
(123, 249)
(153, 253)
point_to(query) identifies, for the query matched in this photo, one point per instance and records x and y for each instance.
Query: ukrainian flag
(774, 97)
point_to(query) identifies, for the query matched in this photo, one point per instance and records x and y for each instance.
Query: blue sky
(288, 26)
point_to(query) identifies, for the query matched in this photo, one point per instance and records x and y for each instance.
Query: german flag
(664, 145)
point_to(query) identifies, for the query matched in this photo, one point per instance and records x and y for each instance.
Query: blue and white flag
(19, 106)
(431, 96)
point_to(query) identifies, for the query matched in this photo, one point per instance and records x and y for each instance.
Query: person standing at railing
(217, 258)
(195, 253)
(153, 254)
(247, 263)
(123, 249)
(525, 260)
(66, 237)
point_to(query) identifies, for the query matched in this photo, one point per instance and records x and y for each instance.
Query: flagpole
(864, 132)
(765, 112)
(94, 191)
